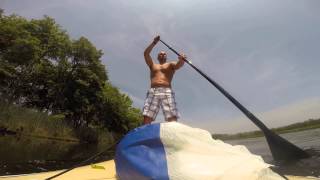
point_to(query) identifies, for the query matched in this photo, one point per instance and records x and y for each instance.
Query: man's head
(162, 57)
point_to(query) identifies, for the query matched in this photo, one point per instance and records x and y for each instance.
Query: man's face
(162, 57)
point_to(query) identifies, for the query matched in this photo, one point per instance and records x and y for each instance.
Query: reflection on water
(26, 155)
(308, 140)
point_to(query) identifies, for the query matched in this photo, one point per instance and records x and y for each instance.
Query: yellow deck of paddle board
(100, 171)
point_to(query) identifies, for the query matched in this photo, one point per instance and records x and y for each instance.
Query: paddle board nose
(172, 150)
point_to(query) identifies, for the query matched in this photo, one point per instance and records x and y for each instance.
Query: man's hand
(156, 39)
(179, 64)
(182, 57)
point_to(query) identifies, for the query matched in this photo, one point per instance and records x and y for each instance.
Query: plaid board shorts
(163, 97)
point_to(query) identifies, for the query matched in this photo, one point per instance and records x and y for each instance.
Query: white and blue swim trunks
(160, 96)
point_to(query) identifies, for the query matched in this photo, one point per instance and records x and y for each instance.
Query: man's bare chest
(162, 68)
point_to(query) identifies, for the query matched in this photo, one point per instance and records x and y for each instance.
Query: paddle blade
(283, 150)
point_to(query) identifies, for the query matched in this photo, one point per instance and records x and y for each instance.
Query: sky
(265, 53)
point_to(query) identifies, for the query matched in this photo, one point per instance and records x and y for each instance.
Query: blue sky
(263, 52)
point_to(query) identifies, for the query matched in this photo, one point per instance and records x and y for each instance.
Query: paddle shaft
(277, 144)
(85, 161)
(252, 117)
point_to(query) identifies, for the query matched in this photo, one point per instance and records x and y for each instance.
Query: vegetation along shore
(301, 126)
(57, 87)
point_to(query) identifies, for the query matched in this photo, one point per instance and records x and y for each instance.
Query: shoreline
(296, 127)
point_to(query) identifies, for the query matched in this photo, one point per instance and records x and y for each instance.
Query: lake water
(20, 155)
(308, 140)
(24, 155)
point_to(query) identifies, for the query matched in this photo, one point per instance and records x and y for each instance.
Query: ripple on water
(308, 140)
(304, 167)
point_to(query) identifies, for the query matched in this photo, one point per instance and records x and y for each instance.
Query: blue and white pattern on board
(179, 152)
(141, 155)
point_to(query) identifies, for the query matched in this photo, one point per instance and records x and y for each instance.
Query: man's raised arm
(148, 50)
(178, 64)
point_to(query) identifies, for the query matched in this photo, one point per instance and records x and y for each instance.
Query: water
(25, 155)
(19, 155)
(308, 140)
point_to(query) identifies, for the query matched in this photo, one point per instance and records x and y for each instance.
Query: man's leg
(147, 120)
(169, 108)
(150, 108)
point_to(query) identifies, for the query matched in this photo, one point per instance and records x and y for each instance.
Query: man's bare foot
(172, 119)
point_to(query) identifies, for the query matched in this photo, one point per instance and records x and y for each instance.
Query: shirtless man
(160, 93)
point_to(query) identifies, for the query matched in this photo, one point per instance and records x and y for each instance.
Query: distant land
(309, 124)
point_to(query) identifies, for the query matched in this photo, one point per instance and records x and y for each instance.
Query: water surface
(308, 140)
(29, 155)
(21, 155)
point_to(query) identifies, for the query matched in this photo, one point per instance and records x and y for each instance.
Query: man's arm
(148, 50)
(178, 64)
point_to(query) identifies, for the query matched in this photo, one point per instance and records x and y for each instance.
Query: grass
(34, 123)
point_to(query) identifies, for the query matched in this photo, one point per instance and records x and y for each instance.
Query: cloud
(264, 53)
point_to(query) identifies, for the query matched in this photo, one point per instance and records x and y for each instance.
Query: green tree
(41, 67)
(26, 49)
(116, 110)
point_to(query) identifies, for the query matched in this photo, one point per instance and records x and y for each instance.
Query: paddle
(85, 161)
(281, 149)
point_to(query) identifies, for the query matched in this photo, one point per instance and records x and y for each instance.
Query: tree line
(295, 127)
(42, 68)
